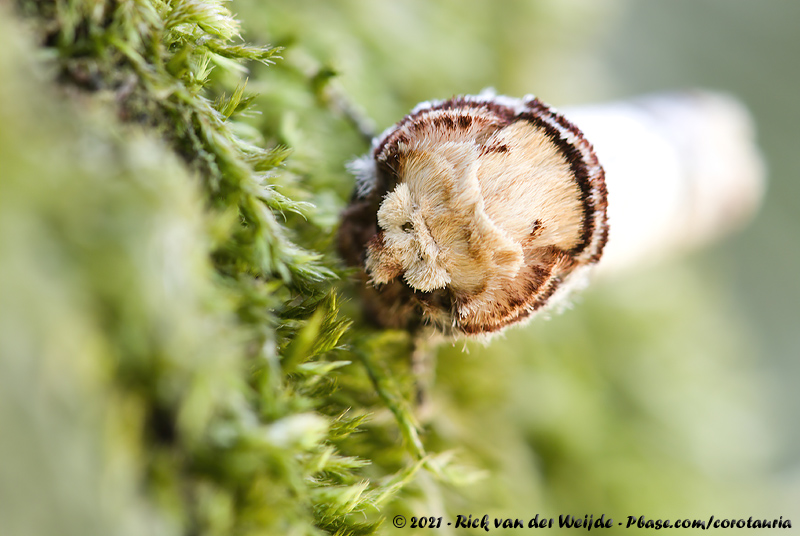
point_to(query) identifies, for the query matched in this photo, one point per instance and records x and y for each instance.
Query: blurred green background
(672, 389)
(749, 50)
(667, 392)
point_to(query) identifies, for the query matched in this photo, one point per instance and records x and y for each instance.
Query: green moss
(200, 346)
(181, 353)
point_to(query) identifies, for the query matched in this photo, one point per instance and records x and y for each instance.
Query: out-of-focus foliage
(169, 356)
(172, 362)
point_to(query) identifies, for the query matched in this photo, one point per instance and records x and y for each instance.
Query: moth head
(434, 228)
(406, 245)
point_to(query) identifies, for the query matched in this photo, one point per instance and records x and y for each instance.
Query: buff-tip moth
(475, 213)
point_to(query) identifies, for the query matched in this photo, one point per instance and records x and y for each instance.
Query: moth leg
(423, 368)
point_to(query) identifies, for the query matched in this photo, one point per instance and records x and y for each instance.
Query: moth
(474, 213)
